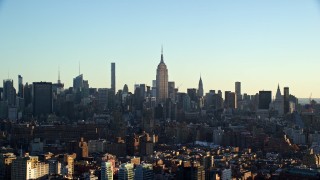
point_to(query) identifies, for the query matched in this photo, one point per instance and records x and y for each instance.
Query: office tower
(171, 90)
(286, 99)
(264, 99)
(192, 92)
(106, 171)
(126, 172)
(42, 98)
(9, 93)
(78, 82)
(278, 102)
(200, 88)
(230, 100)
(113, 77)
(143, 91)
(20, 86)
(238, 90)
(144, 172)
(27, 94)
(103, 98)
(162, 81)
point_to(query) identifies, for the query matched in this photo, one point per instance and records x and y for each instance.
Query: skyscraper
(106, 171)
(9, 93)
(78, 82)
(286, 99)
(264, 99)
(113, 77)
(162, 81)
(20, 86)
(238, 90)
(42, 98)
(200, 88)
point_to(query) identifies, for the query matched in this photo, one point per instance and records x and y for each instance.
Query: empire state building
(162, 81)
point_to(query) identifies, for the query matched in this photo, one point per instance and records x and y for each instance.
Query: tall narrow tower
(200, 88)
(20, 86)
(113, 77)
(162, 81)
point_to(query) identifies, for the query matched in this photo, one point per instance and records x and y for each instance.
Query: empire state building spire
(162, 81)
(161, 55)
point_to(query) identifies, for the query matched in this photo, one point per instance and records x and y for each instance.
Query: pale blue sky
(260, 43)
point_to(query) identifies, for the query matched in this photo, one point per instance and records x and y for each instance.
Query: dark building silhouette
(200, 88)
(230, 100)
(42, 98)
(238, 91)
(113, 77)
(192, 93)
(9, 93)
(286, 96)
(1, 93)
(264, 99)
(20, 86)
(78, 82)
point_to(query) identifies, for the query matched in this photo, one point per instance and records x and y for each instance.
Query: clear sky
(260, 43)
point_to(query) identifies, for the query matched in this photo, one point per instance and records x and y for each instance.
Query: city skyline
(222, 41)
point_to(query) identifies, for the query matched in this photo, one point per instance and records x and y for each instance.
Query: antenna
(79, 68)
(59, 75)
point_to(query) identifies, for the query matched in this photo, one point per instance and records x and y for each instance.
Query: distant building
(9, 92)
(103, 97)
(200, 88)
(78, 82)
(106, 171)
(238, 91)
(28, 168)
(144, 172)
(42, 98)
(264, 99)
(171, 91)
(113, 77)
(162, 81)
(20, 86)
(126, 172)
(230, 100)
(286, 96)
(278, 103)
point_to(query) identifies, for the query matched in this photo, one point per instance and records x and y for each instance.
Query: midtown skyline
(222, 41)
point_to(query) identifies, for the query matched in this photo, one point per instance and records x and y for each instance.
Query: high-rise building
(171, 90)
(103, 98)
(264, 99)
(78, 82)
(113, 77)
(238, 90)
(42, 98)
(162, 81)
(106, 171)
(286, 95)
(20, 86)
(278, 102)
(200, 88)
(126, 172)
(29, 168)
(144, 172)
(9, 92)
(230, 100)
